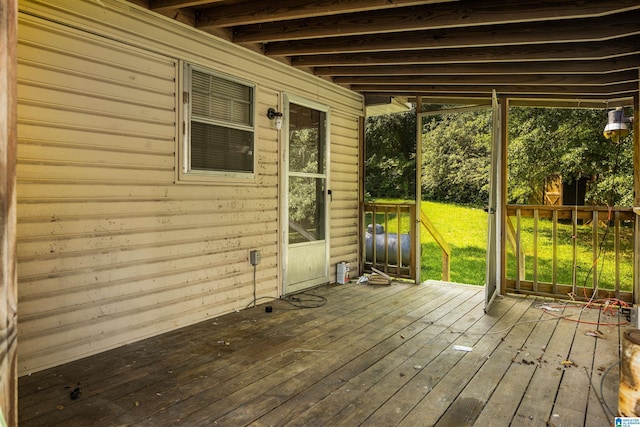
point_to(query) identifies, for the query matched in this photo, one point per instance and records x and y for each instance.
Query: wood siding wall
(8, 272)
(111, 249)
(344, 179)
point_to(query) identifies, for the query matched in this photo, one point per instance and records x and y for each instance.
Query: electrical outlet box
(254, 257)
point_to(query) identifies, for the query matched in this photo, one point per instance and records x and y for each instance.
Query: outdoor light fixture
(273, 114)
(616, 127)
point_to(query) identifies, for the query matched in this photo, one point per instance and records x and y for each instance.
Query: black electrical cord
(305, 300)
(604, 375)
(302, 300)
(254, 285)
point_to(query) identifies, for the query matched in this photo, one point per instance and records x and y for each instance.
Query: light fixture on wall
(272, 114)
(616, 127)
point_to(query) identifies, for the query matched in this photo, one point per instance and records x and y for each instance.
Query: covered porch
(370, 355)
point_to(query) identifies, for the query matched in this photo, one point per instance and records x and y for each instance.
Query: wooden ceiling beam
(607, 103)
(257, 11)
(619, 90)
(539, 101)
(481, 55)
(580, 30)
(172, 5)
(543, 101)
(493, 80)
(499, 68)
(447, 15)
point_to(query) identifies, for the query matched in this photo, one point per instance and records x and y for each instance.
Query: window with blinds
(220, 124)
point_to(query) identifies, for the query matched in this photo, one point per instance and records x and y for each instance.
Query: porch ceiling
(532, 50)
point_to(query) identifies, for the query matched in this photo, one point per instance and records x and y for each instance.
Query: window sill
(216, 178)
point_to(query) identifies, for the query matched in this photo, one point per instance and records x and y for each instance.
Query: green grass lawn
(465, 229)
(586, 258)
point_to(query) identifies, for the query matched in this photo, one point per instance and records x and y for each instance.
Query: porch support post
(636, 195)
(8, 272)
(361, 172)
(502, 196)
(418, 246)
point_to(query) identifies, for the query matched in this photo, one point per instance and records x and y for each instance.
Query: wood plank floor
(371, 356)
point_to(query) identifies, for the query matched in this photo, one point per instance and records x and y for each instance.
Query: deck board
(461, 367)
(500, 364)
(538, 400)
(423, 348)
(501, 407)
(573, 394)
(340, 358)
(604, 359)
(373, 355)
(401, 356)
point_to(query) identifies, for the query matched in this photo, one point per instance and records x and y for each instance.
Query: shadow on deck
(373, 355)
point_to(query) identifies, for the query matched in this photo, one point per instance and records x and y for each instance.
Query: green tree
(542, 142)
(455, 166)
(568, 142)
(390, 155)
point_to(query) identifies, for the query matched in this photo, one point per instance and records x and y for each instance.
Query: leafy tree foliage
(390, 155)
(567, 142)
(456, 160)
(543, 142)
(305, 213)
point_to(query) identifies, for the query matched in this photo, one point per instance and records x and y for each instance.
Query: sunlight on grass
(465, 229)
(585, 268)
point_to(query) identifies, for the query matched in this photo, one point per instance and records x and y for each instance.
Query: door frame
(495, 243)
(284, 185)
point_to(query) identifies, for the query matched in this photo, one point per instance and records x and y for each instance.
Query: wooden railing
(389, 236)
(584, 242)
(444, 246)
(392, 227)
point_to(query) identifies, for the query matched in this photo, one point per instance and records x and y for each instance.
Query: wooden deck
(372, 356)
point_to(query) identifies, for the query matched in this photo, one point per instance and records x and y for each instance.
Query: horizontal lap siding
(110, 249)
(344, 188)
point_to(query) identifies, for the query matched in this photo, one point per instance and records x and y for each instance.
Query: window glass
(221, 129)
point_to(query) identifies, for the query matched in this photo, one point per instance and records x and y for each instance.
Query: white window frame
(183, 158)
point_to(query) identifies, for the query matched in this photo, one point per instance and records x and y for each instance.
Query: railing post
(446, 267)
(374, 240)
(418, 242)
(554, 251)
(596, 252)
(512, 239)
(399, 233)
(519, 267)
(412, 227)
(536, 214)
(616, 251)
(386, 241)
(574, 278)
(636, 198)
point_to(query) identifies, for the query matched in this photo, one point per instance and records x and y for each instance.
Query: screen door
(306, 252)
